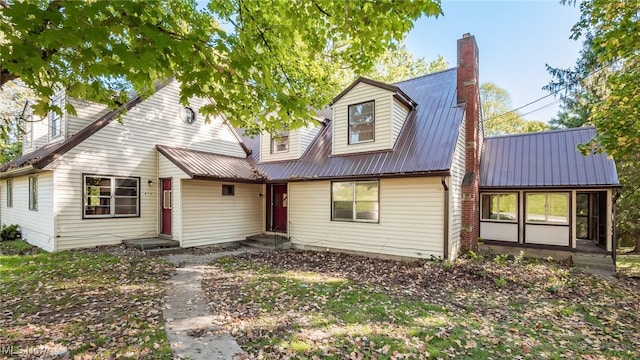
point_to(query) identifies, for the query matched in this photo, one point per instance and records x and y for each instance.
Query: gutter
(25, 170)
(446, 218)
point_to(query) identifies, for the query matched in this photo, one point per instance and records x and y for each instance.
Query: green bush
(10, 232)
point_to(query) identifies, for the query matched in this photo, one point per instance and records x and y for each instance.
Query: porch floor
(151, 243)
(589, 246)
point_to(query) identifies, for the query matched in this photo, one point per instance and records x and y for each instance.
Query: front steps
(593, 261)
(267, 241)
(155, 246)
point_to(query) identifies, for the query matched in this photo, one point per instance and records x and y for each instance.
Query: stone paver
(189, 323)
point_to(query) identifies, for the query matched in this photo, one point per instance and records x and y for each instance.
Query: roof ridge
(425, 75)
(540, 132)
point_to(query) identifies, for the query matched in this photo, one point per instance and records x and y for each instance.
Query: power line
(544, 97)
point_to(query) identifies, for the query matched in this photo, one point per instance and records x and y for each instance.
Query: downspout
(614, 241)
(446, 218)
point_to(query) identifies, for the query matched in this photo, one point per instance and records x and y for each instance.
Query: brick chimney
(468, 90)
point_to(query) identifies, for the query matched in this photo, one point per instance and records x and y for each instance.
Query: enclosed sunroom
(538, 190)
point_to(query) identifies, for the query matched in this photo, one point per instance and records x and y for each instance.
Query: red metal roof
(544, 159)
(205, 165)
(425, 144)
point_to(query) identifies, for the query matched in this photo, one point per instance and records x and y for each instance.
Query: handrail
(279, 235)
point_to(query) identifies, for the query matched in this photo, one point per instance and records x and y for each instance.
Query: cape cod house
(391, 169)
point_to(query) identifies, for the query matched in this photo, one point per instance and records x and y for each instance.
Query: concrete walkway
(188, 320)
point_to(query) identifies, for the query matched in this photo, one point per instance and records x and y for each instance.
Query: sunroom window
(548, 208)
(108, 196)
(499, 207)
(355, 201)
(362, 122)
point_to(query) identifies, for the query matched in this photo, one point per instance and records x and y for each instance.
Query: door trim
(165, 196)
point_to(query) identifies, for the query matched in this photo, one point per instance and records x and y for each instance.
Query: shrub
(10, 232)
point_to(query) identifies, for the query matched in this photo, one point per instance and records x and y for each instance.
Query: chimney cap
(466, 35)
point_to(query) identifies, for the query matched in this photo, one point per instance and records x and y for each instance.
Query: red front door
(280, 203)
(166, 207)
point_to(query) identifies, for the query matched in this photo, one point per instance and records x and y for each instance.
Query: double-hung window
(499, 207)
(548, 208)
(355, 201)
(362, 122)
(111, 196)
(33, 193)
(55, 119)
(9, 192)
(280, 142)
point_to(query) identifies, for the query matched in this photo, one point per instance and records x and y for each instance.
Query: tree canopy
(603, 88)
(280, 58)
(498, 116)
(397, 64)
(13, 96)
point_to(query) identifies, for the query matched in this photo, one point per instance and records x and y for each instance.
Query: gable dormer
(368, 116)
(288, 145)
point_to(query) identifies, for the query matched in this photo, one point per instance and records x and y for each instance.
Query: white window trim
(498, 219)
(546, 209)
(349, 142)
(355, 200)
(112, 196)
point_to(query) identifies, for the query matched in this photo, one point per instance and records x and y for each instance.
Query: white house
(391, 169)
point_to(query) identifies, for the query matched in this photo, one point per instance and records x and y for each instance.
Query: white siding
(399, 112)
(87, 112)
(36, 134)
(37, 226)
(210, 217)
(383, 124)
(411, 221)
(166, 169)
(455, 193)
(128, 149)
(308, 134)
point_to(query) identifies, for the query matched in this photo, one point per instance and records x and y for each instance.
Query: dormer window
(55, 119)
(362, 122)
(280, 142)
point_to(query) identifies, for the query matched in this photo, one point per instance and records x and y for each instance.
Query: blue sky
(515, 39)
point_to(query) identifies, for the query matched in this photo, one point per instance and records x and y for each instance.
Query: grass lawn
(85, 304)
(296, 304)
(629, 265)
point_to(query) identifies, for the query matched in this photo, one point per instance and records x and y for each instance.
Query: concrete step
(165, 251)
(266, 241)
(593, 261)
(151, 243)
